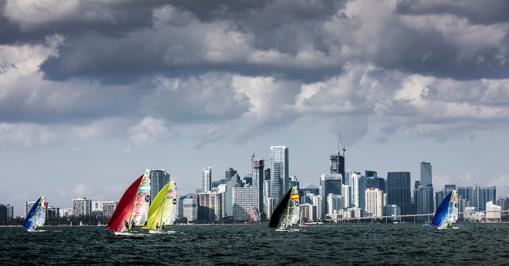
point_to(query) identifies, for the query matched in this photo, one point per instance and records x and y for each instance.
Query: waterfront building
(316, 200)
(65, 212)
(244, 200)
(234, 181)
(308, 212)
(210, 206)
(398, 190)
(258, 182)
(329, 184)
(158, 178)
(189, 207)
(82, 207)
(52, 213)
(374, 202)
(279, 175)
(482, 195)
(353, 212)
(334, 203)
(503, 203)
(493, 212)
(373, 180)
(423, 193)
(229, 173)
(345, 192)
(357, 188)
(108, 208)
(206, 179)
(6, 212)
(269, 206)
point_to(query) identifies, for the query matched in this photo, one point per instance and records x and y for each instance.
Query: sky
(92, 93)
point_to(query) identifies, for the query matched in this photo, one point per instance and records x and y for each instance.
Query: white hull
(288, 230)
(35, 230)
(158, 232)
(130, 234)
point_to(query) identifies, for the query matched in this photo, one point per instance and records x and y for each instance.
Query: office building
(345, 192)
(210, 206)
(308, 212)
(316, 200)
(493, 212)
(258, 180)
(482, 195)
(234, 181)
(398, 190)
(374, 202)
(423, 193)
(206, 182)
(158, 178)
(357, 187)
(392, 210)
(373, 180)
(245, 203)
(229, 173)
(6, 213)
(279, 175)
(303, 192)
(503, 203)
(82, 207)
(108, 208)
(189, 207)
(329, 184)
(440, 195)
(334, 203)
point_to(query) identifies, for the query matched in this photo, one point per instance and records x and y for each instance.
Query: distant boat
(163, 210)
(36, 216)
(286, 214)
(447, 213)
(132, 208)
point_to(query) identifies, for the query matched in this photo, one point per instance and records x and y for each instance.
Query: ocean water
(257, 245)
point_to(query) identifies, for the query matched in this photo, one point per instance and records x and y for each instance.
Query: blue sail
(37, 214)
(442, 214)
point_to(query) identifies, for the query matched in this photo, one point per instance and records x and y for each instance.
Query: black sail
(280, 209)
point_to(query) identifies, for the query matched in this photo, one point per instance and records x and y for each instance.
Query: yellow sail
(163, 209)
(155, 212)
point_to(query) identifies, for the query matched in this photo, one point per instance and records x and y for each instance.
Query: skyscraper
(357, 187)
(337, 164)
(329, 184)
(279, 171)
(423, 193)
(210, 206)
(158, 178)
(482, 195)
(373, 180)
(82, 207)
(398, 190)
(258, 179)
(228, 173)
(374, 202)
(244, 200)
(207, 179)
(334, 203)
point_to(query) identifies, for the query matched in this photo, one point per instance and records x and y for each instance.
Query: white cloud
(147, 131)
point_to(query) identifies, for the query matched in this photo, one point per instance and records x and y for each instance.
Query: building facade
(374, 202)
(82, 207)
(398, 190)
(245, 203)
(210, 206)
(279, 174)
(329, 184)
(206, 179)
(158, 179)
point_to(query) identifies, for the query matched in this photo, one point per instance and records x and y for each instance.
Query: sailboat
(286, 214)
(163, 210)
(36, 216)
(447, 213)
(132, 208)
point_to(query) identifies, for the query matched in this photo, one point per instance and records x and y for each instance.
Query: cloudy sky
(94, 92)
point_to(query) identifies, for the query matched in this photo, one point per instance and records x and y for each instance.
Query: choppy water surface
(256, 244)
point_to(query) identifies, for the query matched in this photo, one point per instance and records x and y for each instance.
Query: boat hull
(129, 234)
(158, 232)
(35, 230)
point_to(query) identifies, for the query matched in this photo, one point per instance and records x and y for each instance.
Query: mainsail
(37, 215)
(286, 213)
(132, 207)
(447, 213)
(163, 210)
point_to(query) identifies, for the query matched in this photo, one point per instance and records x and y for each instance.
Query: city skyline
(94, 93)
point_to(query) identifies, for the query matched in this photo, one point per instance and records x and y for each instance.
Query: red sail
(123, 211)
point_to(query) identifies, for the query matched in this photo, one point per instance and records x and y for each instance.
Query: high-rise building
(5, 213)
(423, 193)
(337, 164)
(329, 184)
(109, 207)
(228, 173)
(374, 202)
(65, 212)
(392, 210)
(345, 192)
(426, 174)
(503, 203)
(398, 190)
(308, 212)
(334, 203)
(316, 200)
(245, 201)
(234, 181)
(52, 213)
(373, 180)
(82, 207)
(279, 174)
(357, 187)
(210, 206)
(303, 192)
(440, 195)
(481, 195)
(258, 179)
(158, 178)
(465, 194)
(206, 179)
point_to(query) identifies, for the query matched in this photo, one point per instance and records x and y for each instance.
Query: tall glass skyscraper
(329, 184)
(258, 178)
(337, 164)
(398, 190)
(426, 174)
(279, 171)
(423, 193)
(158, 178)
